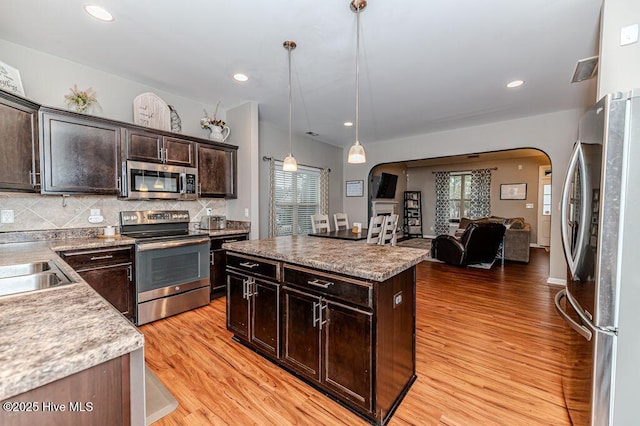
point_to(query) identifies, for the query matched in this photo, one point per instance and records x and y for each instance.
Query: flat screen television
(387, 186)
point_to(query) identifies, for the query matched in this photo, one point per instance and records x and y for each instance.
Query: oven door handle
(171, 244)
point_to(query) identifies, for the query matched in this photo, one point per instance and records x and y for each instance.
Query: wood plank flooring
(488, 353)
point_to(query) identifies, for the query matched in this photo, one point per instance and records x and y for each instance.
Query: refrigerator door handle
(581, 329)
(577, 160)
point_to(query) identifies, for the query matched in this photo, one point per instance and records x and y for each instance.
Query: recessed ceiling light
(98, 12)
(348, 124)
(240, 77)
(515, 83)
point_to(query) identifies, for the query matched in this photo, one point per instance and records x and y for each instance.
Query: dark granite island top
(357, 259)
(340, 315)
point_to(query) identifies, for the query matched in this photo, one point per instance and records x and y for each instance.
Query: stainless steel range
(172, 264)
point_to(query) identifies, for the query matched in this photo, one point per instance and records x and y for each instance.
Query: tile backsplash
(40, 212)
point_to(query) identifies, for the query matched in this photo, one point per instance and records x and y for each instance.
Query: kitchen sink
(30, 276)
(24, 269)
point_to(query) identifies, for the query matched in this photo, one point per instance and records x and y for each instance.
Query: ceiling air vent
(585, 69)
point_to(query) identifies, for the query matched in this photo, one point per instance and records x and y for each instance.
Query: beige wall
(552, 133)
(274, 142)
(423, 179)
(619, 67)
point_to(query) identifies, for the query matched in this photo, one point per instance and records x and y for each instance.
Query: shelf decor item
(218, 128)
(176, 122)
(81, 100)
(10, 79)
(150, 110)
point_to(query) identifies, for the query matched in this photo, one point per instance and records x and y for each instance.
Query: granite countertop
(358, 259)
(49, 334)
(225, 232)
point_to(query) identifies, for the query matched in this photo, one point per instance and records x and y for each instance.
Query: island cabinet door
(265, 315)
(238, 305)
(301, 341)
(347, 356)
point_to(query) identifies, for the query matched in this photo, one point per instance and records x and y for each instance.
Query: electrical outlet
(246, 212)
(397, 299)
(6, 216)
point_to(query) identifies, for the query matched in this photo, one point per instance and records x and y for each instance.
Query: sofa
(516, 237)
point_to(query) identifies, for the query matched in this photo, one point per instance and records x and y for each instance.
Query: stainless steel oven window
(169, 267)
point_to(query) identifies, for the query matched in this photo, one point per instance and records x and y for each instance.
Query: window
(546, 200)
(459, 193)
(297, 197)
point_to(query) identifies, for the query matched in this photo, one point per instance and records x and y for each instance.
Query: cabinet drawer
(254, 265)
(343, 288)
(87, 259)
(217, 242)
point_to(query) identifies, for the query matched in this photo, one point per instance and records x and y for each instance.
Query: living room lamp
(289, 164)
(356, 152)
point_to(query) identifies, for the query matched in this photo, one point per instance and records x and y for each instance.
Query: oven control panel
(153, 217)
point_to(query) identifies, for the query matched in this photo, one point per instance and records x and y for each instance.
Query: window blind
(297, 196)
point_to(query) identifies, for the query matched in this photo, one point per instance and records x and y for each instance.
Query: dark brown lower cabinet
(254, 314)
(109, 272)
(353, 339)
(217, 260)
(99, 395)
(329, 343)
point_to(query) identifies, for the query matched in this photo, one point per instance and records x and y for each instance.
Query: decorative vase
(81, 107)
(219, 134)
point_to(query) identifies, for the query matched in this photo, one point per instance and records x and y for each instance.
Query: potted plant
(81, 100)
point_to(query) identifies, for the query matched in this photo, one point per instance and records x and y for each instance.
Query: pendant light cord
(290, 142)
(357, 74)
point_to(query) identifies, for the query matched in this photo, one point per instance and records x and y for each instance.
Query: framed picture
(513, 191)
(10, 79)
(355, 188)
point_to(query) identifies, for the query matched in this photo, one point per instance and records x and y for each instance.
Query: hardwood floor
(488, 352)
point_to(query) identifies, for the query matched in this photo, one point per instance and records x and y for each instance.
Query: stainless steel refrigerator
(600, 223)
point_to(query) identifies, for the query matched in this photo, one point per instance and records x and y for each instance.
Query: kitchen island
(338, 314)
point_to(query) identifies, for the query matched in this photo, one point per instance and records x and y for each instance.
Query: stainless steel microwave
(150, 180)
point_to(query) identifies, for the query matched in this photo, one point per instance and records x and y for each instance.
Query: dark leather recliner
(478, 244)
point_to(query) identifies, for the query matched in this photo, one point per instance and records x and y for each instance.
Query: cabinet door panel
(143, 146)
(18, 147)
(180, 152)
(114, 285)
(216, 172)
(265, 317)
(347, 353)
(237, 306)
(301, 346)
(80, 156)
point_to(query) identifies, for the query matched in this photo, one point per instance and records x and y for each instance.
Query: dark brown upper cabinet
(153, 147)
(19, 160)
(80, 155)
(217, 170)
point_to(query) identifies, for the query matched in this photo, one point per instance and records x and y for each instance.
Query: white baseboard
(556, 281)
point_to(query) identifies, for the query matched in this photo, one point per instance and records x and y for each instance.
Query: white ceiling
(425, 65)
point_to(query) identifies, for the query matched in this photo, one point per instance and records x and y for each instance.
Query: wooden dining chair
(388, 234)
(320, 223)
(375, 229)
(341, 220)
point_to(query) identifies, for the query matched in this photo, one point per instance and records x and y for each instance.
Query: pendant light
(356, 152)
(289, 164)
